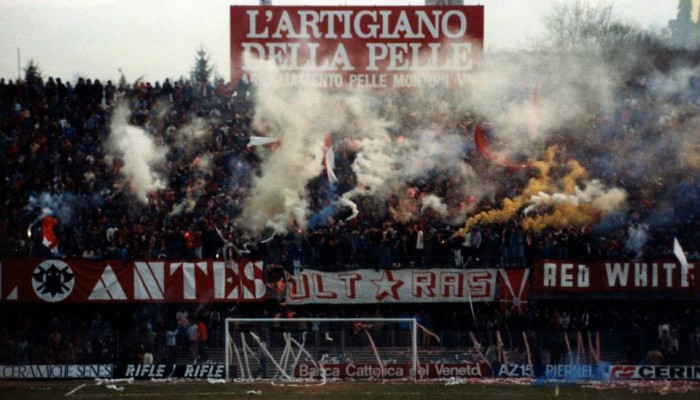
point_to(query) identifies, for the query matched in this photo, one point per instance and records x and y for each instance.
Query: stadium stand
(52, 139)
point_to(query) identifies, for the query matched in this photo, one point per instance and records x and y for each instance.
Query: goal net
(318, 349)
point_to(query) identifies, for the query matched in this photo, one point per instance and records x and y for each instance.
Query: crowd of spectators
(53, 135)
(52, 139)
(122, 334)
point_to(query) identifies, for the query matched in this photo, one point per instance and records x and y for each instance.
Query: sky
(159, 39)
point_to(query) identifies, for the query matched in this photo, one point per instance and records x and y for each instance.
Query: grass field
(337, 390)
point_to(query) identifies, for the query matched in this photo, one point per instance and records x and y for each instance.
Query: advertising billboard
(333, 47)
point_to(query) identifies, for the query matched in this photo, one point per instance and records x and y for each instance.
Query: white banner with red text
(369, 286)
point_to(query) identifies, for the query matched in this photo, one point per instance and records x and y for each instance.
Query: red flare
(47, 224)
(484, 147)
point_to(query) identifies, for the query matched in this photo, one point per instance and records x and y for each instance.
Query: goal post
(319, 349)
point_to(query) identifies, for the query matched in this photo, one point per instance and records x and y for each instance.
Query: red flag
(50, 240)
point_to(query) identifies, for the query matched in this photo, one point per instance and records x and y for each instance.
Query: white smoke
(299, 119)
(384, 160)
(139, 153)
(195, 132)
(374, 163)
(392, 153)
(61, 205)
(529, 96)
(605, 200)
(345, 200)
(434, 203)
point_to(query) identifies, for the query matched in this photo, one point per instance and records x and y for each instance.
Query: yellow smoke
(689, 152)
(562, 216)
(550, 181)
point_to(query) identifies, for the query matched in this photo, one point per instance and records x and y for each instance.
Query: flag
(50, 240)
(270, 143)
(329, 158)
(680, 255)
(484, 147)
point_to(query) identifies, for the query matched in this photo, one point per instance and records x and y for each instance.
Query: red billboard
(82, 281)
(355, 47)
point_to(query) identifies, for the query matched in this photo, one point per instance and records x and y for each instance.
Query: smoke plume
(141, 158)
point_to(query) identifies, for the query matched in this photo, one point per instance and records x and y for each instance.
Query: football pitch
(335, 390)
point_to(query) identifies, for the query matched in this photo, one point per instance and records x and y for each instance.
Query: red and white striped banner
(80, 281)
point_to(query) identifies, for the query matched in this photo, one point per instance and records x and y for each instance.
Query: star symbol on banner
(232, 278)
(387, 286)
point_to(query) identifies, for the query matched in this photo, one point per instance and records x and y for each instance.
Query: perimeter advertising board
(439, 370)
(392, 371)
(66, 371)
(643, 372)
(355, 47)
(166, 371)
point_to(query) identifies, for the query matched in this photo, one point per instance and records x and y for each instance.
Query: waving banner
(369, 286)
(76, 281)
(355, 47)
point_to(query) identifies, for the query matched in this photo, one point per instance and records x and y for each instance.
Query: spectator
(171, 344)
(654, 357)
(193, 337)
(203, 339)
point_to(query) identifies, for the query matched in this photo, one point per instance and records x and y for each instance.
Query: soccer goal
(315, 350)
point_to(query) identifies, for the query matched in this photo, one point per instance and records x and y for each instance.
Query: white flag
(261, 141)
(680, 255)
(330, 164)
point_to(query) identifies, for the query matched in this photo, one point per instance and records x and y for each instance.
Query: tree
(33, 81)
(685, 29)
(32, 73)
(203, 68)
(580, 27)
(122, 79)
